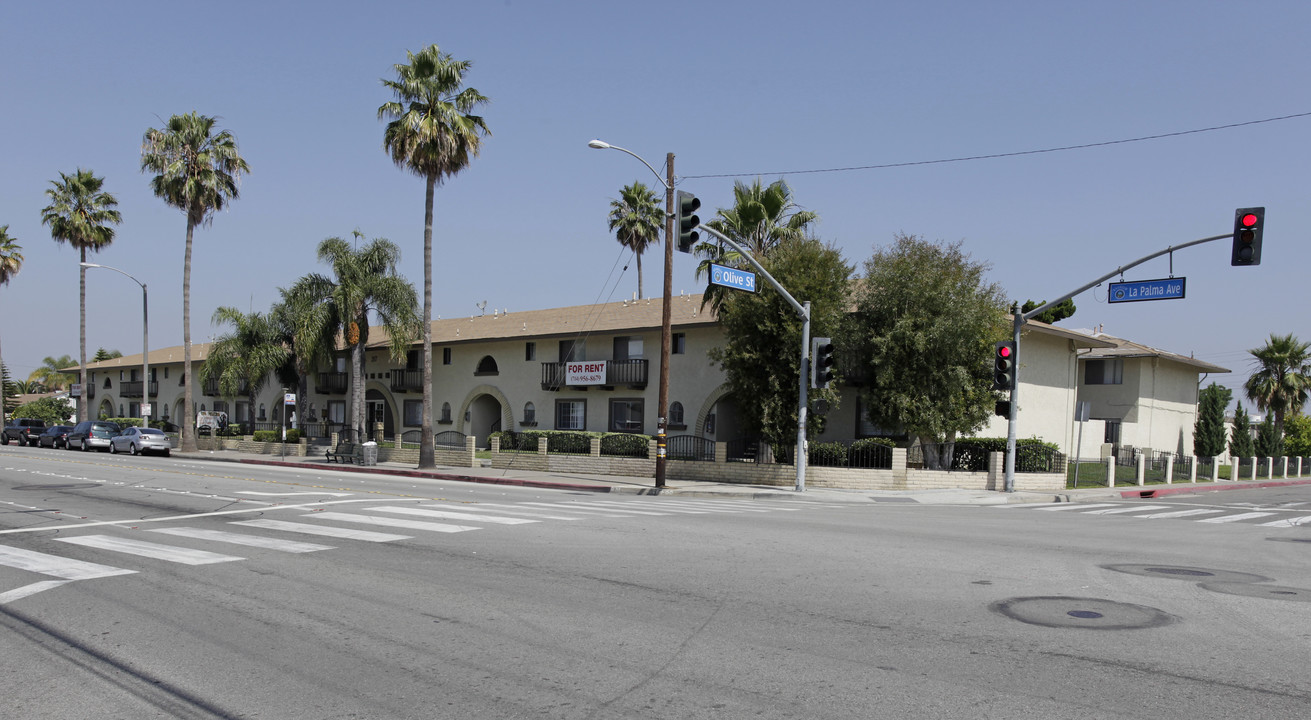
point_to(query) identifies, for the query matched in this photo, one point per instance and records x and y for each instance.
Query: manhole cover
(1082, 613)
(64, 486)
(1192, 574)
(1270, 592)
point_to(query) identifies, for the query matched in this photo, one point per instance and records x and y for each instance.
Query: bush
(125, 422)
(829, 454)
(625, 444)
(55, 411)
(272, 436)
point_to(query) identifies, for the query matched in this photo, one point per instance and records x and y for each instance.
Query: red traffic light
(1004, 351)
(1249, 220)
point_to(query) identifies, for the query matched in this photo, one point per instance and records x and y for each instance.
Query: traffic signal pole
(1021, 319)
(803, 311)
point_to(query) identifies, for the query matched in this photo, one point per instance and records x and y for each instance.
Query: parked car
(55, 436)
(22, 430)
(92, 434)
(137, 440)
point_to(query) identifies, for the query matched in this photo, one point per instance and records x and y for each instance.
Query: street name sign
(731, 278)
(1140, 290)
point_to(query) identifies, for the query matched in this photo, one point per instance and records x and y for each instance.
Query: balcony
(331, 383)
(403, 380)
(132, 389)
(211, 388)
(629, 373)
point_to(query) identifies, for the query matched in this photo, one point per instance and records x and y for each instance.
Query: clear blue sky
(732, 88)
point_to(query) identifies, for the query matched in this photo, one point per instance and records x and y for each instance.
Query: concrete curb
(1148, 493)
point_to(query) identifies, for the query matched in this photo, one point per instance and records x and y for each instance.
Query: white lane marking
(155, 551)
(392, 522)
(56, 566)
(291, 546)
(506, 509)
(175, 518)
(34, 588)
(284, 494)
(1074, 506)
(1134, 508)
(1289, 522)
(664, 508)
(322, 530)
(448, 515)
(573, 508)
(1236, 518)
(1182, 513)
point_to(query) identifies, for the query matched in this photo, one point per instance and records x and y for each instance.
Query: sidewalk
(693, 488)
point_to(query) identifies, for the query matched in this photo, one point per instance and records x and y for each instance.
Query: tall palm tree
(432, 133)
(1282, 379)
(365, 281)
(761, 218)
(636, 219)
(307, 328)
(11, 261)
(249, 353)
(81, 214)
(196, 171)
(53, 372)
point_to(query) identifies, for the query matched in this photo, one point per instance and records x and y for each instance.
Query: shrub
(829, 454)
(625, 444)
(272, 436)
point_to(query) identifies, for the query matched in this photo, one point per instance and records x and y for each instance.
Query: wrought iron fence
(1183, 468)
(689, 447)
(873, 457)
(1039, 459)
(512, 441)
(629, 445)
(746, 450)
(569, 444)
(934, 456)
(410, 440)
(450, 439)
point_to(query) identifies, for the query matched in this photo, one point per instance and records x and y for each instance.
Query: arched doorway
(378, 409)
(483, 417)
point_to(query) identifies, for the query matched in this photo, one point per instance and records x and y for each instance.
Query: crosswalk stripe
(573, 508)
(448, 515)
(1131, 509)
(507, 510)
(392, 522)
(1236, 518)
(622, 507)
(56, 566)
(322, 530)
(1183, 513)
(155, 551)
(1074, 506)
(728, 505)
(1289, 522)
(664, 508)
(267, 543)
(34, 588)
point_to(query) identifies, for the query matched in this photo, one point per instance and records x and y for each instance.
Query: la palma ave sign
(585, 373)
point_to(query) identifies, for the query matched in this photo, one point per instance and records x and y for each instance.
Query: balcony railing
(331, 383)
(631, 373)
(132, 389)
(403, 380)
(211, 388)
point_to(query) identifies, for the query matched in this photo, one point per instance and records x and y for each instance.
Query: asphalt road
(160, 588)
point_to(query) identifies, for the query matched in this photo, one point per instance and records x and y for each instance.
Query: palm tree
(433, 134)
(249, 353)
(53, 372)
(636, 218)
(196, 171)
(365, 281)
(11, 261)
(307, 328)
(761, 218)
(1282, 380)
(81, 213)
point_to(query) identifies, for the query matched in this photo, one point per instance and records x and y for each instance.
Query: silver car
(137, 440)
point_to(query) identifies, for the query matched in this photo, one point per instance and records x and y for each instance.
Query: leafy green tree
(11, 260)
(1297, 437)
(1268, 443)
(636, 219)
(55, 411)
(248, 353)
(306, 327)
(1240, 439)
(196, 170)
(1282, 379)
(81, 214)
(1209, 430)
(7, 389)
(103, 354)
(761, 356)
(53, 372)
(365, 281)
(1053, 314)
(924, 327)
(434, 134)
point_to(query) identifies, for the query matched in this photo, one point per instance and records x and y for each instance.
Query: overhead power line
(1006, 154)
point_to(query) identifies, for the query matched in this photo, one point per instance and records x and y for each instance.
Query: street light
(662, 399)
(145, 339)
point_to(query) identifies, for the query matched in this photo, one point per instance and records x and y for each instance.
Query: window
(1103, 371)
(446, 356)
(676, 416)
(243, 412)
(336, 411)
(166, 373)
(108, 384)
(133, 409)
(529, 351)
(120, 410)
(570, 414)
(341, 364)
(220, 406)
(486, 366)
(1112, 431)
(626, 416)
(628, 347)
(572, 350)
(412, 360)
(678, 344)
(446, 413)
(529, 413)
(263, 412)
(413, 413)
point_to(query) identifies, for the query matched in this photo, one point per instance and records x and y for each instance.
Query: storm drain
(1192, 574)
(1082, 613)
(1268, 592)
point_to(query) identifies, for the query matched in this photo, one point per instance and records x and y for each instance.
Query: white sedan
(138, 440)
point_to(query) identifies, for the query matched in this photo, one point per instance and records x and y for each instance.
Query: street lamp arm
(120, 272)
(602, 145)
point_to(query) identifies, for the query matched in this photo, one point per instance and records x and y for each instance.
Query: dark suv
(23, 430)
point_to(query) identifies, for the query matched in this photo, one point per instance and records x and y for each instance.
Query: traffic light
(1003, 373)
(821, 362)
(1248, 223)
(1003, 408)
(687, 221)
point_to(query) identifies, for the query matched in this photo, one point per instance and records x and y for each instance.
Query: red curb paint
(1233, 485)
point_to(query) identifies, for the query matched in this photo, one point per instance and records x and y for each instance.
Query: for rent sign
(585, 373)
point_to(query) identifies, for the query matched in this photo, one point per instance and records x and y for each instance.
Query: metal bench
(346, 452)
